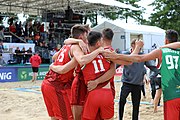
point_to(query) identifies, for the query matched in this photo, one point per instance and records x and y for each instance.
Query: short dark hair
(172, 35)
(77, 30)
(108, 33)
(94, 37)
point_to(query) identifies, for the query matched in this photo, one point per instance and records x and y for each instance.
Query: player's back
(170, 73)
(95, 68)
(63, 57)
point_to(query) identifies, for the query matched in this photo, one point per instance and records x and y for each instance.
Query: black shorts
(158, 83)
(35, 69)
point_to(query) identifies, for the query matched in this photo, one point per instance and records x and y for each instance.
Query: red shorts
(99, 100)
(78, 91)
(172, 109)
(57, 101)
(68, 91)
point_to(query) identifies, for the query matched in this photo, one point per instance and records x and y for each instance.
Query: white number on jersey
(97, 70)
(172, 61)
(61, 56)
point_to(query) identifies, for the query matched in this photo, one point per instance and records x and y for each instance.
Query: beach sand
(23, 101)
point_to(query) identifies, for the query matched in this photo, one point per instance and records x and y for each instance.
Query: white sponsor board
(13, 46)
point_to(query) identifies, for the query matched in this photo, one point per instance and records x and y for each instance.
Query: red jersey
(78, 88)
(12, 28)
(35, 60)
(63, 58)
(95, 68)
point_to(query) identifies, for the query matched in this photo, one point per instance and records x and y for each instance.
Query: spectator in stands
(1, 51)
(10, 20)
(29, 40)
(35, 61)
(41, 29)
(51, 30)
(28, 54)
(51, 24)
(2, 33)
(19, 29)
(12, 28)
(44, 44)
(17, 53)
(52, 52)
(59, 25)
(23, 51)
(38, 26)
(16, 25)
(1, 47)
(26, 30)
(37, 36)
(30, 27)
(43, 33)
(35, 27)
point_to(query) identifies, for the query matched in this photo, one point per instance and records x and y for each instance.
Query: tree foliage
(167, 14)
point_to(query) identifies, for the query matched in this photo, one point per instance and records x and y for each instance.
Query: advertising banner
(25, 74)
(8, 74)
(119, 70)
(13, 46)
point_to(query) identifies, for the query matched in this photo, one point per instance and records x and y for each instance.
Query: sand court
(23, 100)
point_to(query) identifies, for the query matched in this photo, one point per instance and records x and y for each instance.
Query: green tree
(167, 14)
(92, 18)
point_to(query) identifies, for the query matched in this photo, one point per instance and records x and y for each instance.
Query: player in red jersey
(102, 97)
(54, 88)
(78, 86)
(55, 85)
(82, 59)
(107, 36)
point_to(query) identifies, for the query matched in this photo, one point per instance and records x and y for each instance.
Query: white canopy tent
(124, 33)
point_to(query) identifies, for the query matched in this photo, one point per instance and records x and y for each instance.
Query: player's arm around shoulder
(77, 53)
(72, 41)
(117, 58)
(105, 77)
(81, 57)
(80, 42)
(62, 69)
(145, 57)
(174, 45)
(150, 56)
